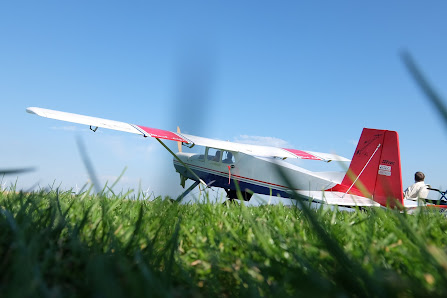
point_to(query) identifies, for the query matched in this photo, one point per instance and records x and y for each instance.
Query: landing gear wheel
(232, 195)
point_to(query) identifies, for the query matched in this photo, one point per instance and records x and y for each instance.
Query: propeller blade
(179, 144)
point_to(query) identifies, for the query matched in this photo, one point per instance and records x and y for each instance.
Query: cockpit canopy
(218, 156)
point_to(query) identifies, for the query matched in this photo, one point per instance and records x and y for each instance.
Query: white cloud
(113, 178)
(66, 128)
(76, 128)
(259, 140)
(353, 142)
(128, 147)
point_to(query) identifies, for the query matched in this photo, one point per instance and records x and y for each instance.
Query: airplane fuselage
(251, 173)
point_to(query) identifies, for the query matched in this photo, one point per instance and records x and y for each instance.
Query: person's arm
(411, 193)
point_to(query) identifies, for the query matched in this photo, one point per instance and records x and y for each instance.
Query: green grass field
(64, 245)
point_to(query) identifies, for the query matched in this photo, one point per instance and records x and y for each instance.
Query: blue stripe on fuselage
(216, 180)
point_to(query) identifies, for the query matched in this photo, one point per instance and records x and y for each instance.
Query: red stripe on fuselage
(438, 206)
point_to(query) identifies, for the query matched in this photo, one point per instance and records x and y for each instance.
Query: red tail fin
(375, 170)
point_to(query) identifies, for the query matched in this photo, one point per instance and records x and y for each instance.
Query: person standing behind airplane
(418, 190)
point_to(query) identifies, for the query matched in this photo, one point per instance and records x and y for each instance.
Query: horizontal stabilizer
(339, 199)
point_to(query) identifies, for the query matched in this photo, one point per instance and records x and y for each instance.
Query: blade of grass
(354, 278)
(88, 165)
(423, 83)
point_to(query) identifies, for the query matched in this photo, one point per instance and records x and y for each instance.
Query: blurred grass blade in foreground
(15, 171)
(350, 275)
(88, 164)
(429, 91)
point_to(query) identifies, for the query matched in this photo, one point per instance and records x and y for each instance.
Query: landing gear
(232, 195)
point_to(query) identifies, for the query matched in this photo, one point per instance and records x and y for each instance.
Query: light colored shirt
(417, 190)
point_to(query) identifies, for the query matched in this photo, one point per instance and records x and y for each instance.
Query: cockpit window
(214, 154)
(202, 154)
(228, 157)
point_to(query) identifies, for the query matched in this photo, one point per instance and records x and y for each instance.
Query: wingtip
(36, 111)
(30, 110)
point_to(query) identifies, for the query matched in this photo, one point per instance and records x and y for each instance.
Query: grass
(59, 244)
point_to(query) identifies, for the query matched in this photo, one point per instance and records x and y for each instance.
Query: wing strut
(173, 154)
(180, 198)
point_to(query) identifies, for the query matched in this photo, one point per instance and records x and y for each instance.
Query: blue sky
(307, 74)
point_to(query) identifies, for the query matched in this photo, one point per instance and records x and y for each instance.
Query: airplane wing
(264, 151)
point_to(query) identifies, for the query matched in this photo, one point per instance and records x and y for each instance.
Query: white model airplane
(373, 178)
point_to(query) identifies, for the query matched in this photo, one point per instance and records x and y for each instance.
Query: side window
(202, 154)
(214, 154)
(228, 157)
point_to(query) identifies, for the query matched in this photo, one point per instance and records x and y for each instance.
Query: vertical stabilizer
(375, 170)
